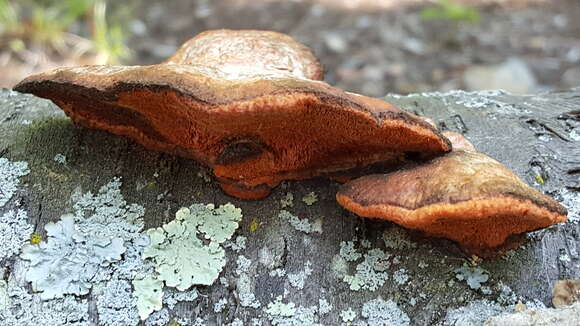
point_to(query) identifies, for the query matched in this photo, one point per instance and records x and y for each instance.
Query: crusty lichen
(379, 312)
(15, 231)
(116, 304)
(371, 273)
(10, 173)
(298, 280)
(303, 225)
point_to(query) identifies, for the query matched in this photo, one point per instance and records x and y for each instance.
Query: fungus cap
(463, 196)
(253, 131)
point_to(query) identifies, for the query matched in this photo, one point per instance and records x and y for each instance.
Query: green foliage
(59, 25)
(451, 11)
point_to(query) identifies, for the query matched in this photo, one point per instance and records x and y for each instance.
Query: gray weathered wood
(532, 135)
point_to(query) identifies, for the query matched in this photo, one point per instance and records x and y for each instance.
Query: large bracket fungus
(249, 104)
(464, 196)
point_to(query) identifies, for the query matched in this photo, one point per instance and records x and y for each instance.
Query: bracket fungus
(249, 104)
(464, 196)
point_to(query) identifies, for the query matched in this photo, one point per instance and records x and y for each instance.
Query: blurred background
(367, 46)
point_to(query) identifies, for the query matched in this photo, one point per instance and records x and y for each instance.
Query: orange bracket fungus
(248, 104)
(464, 196)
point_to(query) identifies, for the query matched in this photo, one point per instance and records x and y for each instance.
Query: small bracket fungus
(463, 196)
(248, 104)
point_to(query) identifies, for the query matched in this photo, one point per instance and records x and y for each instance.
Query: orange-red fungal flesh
(255, 126)
(463, 196)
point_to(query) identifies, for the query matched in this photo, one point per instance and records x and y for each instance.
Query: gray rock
(513, 75)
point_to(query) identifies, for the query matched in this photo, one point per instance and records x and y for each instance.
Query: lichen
(149, 294)
(218, 224)
(220, 305)
(324, 306)
(298, 224)
(69, 261)
(116, 304)
(237, 245)
(29, 309)
(172, 297)
(379, 312)
(287, 314)
(297, 280)
(60, 159)
(236, 322)
(571, 200)
(287, 201)
(244, 284)
(280, 309)
(474, 276)
(243, 265)
(10, 172)
(158, 318)
(348, 315)
(474, 314)
(15, 232)
(348, 251)
(181, 258)
(278, 272)
(4, 300)
(310, 198)
(371, 273)
(401, 277)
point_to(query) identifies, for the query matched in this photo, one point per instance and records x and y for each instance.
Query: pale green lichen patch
(149, 294)
(10, 172)
(310, 198)
(182, 259)
(218, 224)
(14, 232)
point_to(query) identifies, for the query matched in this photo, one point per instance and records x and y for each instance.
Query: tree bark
(538, 137)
